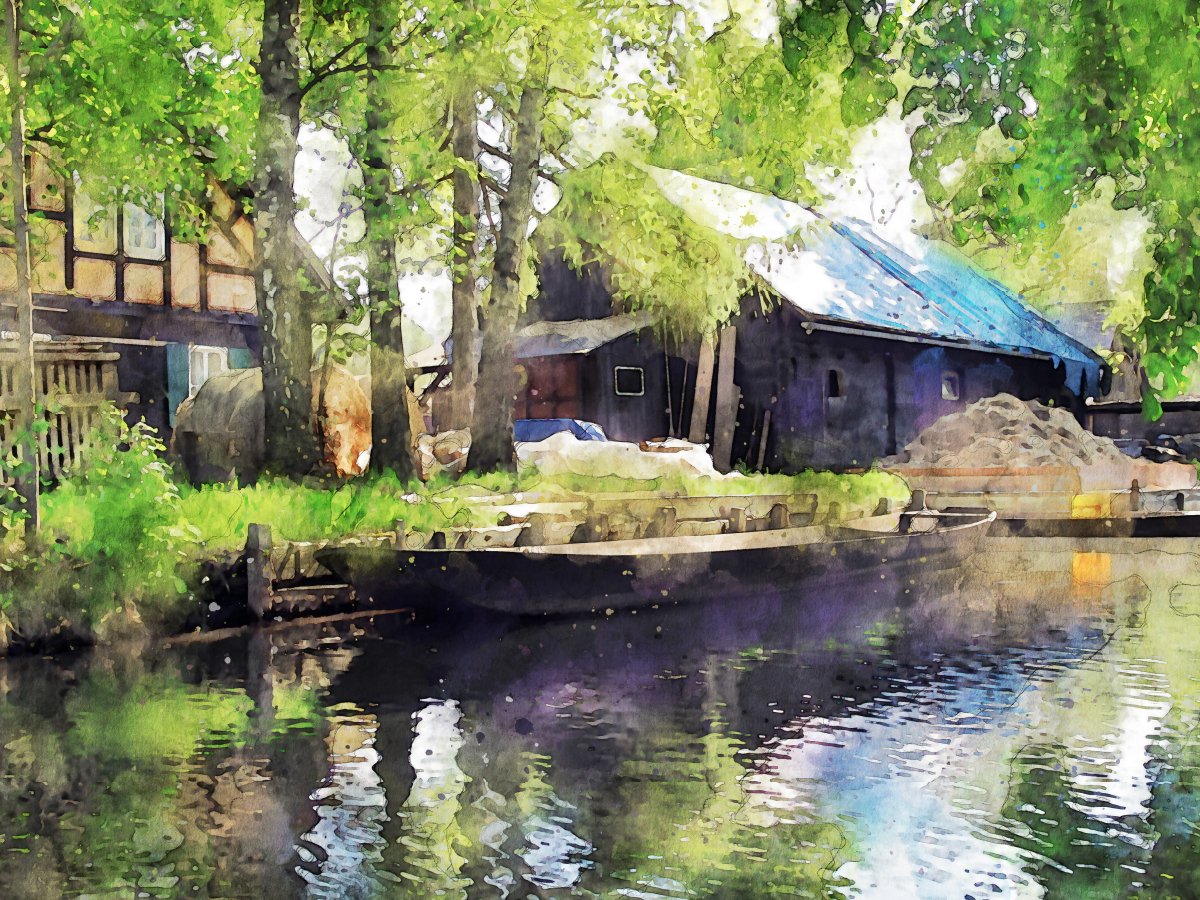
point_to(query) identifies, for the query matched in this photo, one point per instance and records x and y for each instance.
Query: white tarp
(565, 454)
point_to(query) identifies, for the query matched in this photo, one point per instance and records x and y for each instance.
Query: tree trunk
(391, 435)
(465, 366)
(496, 390)
(23, 371)
(284, 314)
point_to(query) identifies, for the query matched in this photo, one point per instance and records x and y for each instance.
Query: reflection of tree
(461, 832)
(1104, 801)
(1070, 853)
(148, 785)
(690, 822)
(431, 831)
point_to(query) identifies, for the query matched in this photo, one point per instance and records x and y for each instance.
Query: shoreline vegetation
(127, 544)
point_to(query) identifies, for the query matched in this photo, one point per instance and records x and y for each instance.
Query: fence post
(258, 569)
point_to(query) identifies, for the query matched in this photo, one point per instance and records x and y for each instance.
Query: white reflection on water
(926, 773)
(556, 858)
(431, 830)
(911, 780)
(351, 807)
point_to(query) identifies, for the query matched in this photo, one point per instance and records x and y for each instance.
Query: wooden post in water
(399, 545)
(258, 569)
(1135, 497)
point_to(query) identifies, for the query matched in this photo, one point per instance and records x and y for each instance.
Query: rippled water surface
(1022, 726)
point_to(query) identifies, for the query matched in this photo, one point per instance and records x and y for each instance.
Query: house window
(203, 364)
(833, 384)
(144, 238)
(629, 381)
(950, 386)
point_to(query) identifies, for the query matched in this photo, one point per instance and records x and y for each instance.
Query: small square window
(629, 381)
(950, 386)
(203, 364)
(144, 237)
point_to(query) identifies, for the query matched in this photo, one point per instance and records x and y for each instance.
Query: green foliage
(139, 97)
(690, 276)
(122, 508)
(757, 114)
(112, 538)
(1039, 101)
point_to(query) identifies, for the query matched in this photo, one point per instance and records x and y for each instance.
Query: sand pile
(1004, 432)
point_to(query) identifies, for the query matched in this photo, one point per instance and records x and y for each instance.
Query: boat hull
(1181, 525)
(586, 577)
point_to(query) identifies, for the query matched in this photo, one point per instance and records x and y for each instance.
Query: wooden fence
(71, 383)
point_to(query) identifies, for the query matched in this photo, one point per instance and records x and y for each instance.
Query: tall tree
(464, 142)
(390, 431)
(496, 391)
(284, 314)
(23, 368)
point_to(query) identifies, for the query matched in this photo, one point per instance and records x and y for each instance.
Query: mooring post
(662, 523)
(778, 517)
(399, 545)
(258, 569)
(1135, 497)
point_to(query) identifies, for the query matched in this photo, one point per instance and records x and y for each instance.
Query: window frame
(832, 375)
(617, 381)
(157, 226)
(193, 349)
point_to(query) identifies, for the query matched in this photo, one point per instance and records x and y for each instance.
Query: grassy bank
(124, 537)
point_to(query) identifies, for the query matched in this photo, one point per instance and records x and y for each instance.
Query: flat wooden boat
(1134, 525)
(579, 577)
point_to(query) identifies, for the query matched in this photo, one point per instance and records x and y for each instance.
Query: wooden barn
(845, 352)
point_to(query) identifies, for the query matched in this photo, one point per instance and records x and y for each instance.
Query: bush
(113, 535)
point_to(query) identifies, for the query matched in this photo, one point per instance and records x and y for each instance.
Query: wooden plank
(728, 397)
(762, 443)
(704, 374)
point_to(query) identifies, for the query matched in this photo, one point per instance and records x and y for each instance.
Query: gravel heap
(1004, 432)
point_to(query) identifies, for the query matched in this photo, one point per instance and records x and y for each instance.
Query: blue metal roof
(845, 272)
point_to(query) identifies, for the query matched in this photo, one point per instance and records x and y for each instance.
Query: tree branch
(500, 154)
(328, 69)
(487, 208)
(411, 189)
(487, 180)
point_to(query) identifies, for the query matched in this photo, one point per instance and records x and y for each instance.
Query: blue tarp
(533, 430)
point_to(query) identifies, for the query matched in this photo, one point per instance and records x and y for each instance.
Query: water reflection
(1024, 726)
(351, 807)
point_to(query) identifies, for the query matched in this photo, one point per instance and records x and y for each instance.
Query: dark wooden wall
(890, 389)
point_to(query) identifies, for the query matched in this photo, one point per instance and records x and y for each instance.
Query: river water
(1023, 725)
